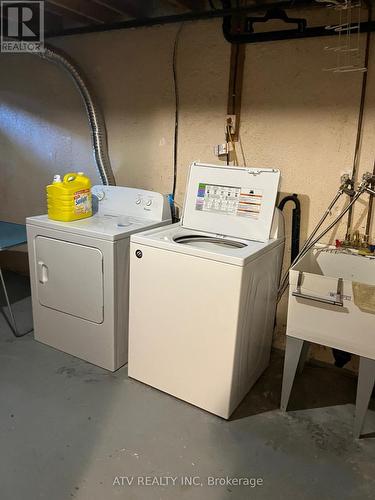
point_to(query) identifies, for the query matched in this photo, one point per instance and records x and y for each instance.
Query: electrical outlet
(221, 149)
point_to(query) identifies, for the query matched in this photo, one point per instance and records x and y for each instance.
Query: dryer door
(70, 278)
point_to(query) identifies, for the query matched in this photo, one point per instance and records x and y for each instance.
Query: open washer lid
(231, 201)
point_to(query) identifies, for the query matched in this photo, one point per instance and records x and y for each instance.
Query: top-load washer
(209, 286)
(80, 274)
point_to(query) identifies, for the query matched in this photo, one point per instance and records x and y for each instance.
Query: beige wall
(295, 116)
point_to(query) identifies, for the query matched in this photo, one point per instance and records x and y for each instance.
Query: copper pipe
(369, 212)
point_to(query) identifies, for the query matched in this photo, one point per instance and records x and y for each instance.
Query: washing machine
(209, 286)
(80, 274)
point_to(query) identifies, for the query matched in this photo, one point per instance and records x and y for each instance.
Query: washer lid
(231, 201)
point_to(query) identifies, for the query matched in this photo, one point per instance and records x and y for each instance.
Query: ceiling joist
(64, 17)
(187, 4)
(131, 8)
(87, 10)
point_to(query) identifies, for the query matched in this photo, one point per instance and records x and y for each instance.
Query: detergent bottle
(69, 198)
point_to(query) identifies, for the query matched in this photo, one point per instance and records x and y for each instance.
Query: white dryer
(80, 274)
(209, 286)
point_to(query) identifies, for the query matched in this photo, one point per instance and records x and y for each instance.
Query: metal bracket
(247, 35)
(339, 293)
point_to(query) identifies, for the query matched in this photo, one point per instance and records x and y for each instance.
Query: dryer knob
(148, 203)
(138, 201)
(100, 194)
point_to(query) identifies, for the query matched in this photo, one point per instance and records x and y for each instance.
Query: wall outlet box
(221, 149)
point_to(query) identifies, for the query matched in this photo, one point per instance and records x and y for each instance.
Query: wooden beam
(237, 60)
(187, 4)
(84, 9)
(236, 71)
(67, 15)
(132, 8)
(52, 22)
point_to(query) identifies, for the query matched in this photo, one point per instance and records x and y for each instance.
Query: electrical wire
(242, 151)
(177, 108)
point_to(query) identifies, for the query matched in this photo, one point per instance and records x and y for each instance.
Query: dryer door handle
(42, 272)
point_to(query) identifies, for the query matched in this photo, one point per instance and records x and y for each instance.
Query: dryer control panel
(120, 200)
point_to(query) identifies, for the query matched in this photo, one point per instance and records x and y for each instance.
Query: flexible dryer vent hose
(95, 116)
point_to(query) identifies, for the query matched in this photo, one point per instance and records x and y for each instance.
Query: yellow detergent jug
(70, 198)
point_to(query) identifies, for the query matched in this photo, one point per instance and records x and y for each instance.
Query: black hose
(296, 223)
(341, 357)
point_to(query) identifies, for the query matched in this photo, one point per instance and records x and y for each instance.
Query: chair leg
(293, 352)
(366, 381)
(12, 318)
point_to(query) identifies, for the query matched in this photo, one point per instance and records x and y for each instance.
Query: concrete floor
(70, 430)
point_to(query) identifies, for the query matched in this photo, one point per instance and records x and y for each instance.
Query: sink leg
(366, 380)
(303, 357)
(293, 350)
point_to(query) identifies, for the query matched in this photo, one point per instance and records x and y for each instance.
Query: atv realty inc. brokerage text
(165, 481)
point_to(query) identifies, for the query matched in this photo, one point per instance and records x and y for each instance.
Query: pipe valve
(347, 185)
(368, 180)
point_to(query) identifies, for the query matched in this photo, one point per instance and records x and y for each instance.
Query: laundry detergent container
(69, 199)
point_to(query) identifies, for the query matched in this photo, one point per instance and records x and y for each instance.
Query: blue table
(11, 235)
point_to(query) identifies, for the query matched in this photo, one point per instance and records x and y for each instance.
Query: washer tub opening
(207, 241)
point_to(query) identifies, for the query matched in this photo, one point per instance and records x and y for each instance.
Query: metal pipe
(360, 114)
(333, 223)
(325, 215)
(369, 212)
(285, 34)
(179, 18)
(344, 188)
(315, 230)
(313, 242)
(94, 114)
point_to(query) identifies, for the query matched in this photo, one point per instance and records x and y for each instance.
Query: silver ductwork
(95, 116)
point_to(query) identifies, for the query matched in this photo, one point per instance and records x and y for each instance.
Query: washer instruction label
(229, 200)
